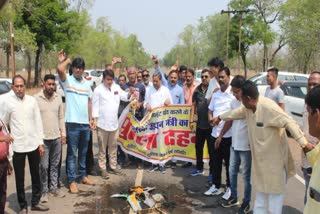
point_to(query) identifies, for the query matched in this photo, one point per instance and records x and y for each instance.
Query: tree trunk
(264, 61)
(244, 60)
(28, 55)
(37, 67)
(8, 64)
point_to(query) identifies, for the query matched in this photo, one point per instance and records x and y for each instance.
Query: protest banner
(163, 134)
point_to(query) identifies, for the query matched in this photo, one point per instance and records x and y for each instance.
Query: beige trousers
(107, 139)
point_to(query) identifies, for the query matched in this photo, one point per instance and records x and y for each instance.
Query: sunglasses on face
(204, 77)
(145, 75)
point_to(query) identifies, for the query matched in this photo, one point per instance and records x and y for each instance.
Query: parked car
(260, 79)
(5, 86)
(94, 77)
(294, 94)
(197, 75)
(59, 88)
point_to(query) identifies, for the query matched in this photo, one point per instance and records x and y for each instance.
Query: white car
(59, 88)
(260, 79)
(294, 94)
(94, 77)
(197, 76)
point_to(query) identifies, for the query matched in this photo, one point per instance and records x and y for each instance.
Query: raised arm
(158, 69)
(64, 61)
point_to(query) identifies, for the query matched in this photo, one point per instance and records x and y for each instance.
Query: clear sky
(156, 23)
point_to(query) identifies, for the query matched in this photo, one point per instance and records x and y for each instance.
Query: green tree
(301, 24)
(54, 27)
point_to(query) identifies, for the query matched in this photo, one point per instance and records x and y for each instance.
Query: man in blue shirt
(175, 90)
(78, 117)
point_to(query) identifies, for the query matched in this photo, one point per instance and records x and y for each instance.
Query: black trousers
(201, 136)
(90, 158)
(220, 154)
(19, 165)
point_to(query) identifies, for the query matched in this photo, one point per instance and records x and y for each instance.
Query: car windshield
(4, 87)
(259, 79)
(297, 91)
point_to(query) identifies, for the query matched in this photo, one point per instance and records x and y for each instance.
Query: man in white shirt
(22, 113)
(215, 65)
(105, 104)
(220, 140)
(273, 91)
(157, 96)
(239, 153)
(145, 77)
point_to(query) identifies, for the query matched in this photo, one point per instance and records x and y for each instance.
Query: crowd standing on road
(240, 127)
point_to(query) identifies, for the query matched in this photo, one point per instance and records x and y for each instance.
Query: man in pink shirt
(189, 87)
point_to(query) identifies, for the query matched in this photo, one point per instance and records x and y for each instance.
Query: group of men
(239, 126)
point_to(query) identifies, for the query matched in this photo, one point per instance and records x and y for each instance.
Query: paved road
(184, 193)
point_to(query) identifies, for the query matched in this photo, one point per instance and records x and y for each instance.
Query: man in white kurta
(272, 163)
(157, 96)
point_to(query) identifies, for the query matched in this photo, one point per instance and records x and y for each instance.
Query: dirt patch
(177, 200)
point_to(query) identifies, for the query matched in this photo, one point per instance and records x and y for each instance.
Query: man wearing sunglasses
(203, 131)
(145, 78)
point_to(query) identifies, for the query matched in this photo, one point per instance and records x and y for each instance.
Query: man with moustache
(215, 65)
(313, 80)
(203, 131)
(157, 96)
(78, 118)
(22, 113)
(177, 96)
(313, 107)
(220, 140)
(189, 87)
(240, 154)
(272, 162)
(188, 90)
(145, 77)
(176, 91)
(51, 109)
(139, 94)
(139, 77)
(106, 100)
(139, 90)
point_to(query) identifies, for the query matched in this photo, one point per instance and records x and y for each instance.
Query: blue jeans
(307, 180)
(78, 139)
(237, 158)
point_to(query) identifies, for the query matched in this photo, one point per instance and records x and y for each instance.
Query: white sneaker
(213, 191)
(227, 194)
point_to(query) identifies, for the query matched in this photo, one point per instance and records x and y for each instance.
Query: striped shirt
(77, 97)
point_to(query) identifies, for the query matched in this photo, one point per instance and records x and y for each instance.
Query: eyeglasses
(204, 77)
(145, 75)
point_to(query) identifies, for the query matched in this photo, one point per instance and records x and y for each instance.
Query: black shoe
(92, 172)
(244, 209)
(186, 165)
(23, 211)
(39, 207)
(230, 202)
